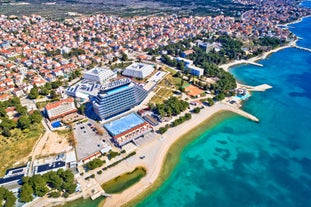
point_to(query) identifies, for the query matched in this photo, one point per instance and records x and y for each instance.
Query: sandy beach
(253, 60)
(157, 150)
(155, 153)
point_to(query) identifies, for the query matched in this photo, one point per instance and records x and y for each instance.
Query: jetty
(302, 48)
(243, 113)
(98, 194)
(256, 64)
(262, 87)
(228, 107)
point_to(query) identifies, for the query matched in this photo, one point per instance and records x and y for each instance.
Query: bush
(162, 130)
(112, 154)
(66, 195)
(99, 172)
(196, 110)
(6, 132)
(54, 194)
(94, 164)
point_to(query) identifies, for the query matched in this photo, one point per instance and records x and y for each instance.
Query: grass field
(161, 95)
(171, 70)
(166, 88)
(18, 146)
(124, 181)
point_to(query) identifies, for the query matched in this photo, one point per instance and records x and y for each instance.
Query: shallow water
(241, 163)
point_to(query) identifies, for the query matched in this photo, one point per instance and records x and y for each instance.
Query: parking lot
(88, 139)
(148, 137)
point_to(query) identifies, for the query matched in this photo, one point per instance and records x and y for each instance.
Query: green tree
(56, 84)
(38, 184)
(210, 101)
(221, 96)
(124, 57)
(6, 132)
(48, 85)
(25, 194)
(53, 94)
(7, 198)
(94, 163)
(162, 130)
(8, 123)
(21, 109)
(69, 187)
(2, 112)
(23, 122)
(81, 109)
(55, 194)
(53, 180)
(196, 110)
(44, 91)
(34, 93)
(35, 117)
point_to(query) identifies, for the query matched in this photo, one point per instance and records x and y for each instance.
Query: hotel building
(100, 75)
(117, 97)
(193, 70)
(60, 108)
(138, 70)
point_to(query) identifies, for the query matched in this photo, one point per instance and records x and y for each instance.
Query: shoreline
(295, 22)
(140, 191)
(253, 60)
(172, 160)
(157, 162)
(159, 171)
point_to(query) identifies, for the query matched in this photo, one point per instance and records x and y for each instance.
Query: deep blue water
(242, 163)
(306, 4)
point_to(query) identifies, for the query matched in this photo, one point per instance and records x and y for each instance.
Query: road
(37, 149)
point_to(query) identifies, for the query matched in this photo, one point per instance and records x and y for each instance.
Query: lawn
(161, 95)
(171, 70)
(18, 146)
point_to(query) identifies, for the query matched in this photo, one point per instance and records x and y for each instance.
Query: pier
(98, 194)
(243, 113)
(234, 109)
(262, 87)
(256, 64)
(302, 48)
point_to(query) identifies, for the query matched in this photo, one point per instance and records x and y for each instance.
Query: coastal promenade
(155, 153)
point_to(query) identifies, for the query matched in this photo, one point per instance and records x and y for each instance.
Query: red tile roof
(130, 130)
(56, 104)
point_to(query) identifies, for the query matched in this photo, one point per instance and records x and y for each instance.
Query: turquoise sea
(242, 163)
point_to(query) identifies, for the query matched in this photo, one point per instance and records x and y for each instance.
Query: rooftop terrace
(123, 124)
